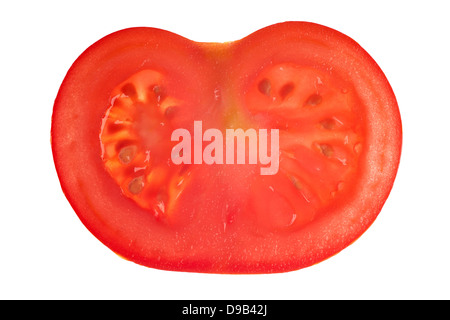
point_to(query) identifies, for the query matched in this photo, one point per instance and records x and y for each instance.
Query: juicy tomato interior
(321, 137)
(243, 161)
(135, 141)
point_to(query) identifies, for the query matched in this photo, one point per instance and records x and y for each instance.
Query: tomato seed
(157, 90)
(328, 124)
(136, 185)
(286, 90)
(314, 100)
(265, 87)
(326, 150)
(129, 90)
(295, 182)
(170, 112)
(127, 154)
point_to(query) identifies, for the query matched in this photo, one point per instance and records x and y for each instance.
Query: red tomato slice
(267, 154)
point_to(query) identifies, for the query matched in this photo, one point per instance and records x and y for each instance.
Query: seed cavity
(157, 90)
(136, 185)
(286, 90)
(127, 154)
(265, 87)
(314, 100)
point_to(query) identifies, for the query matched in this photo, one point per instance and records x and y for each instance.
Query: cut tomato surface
(266, 154)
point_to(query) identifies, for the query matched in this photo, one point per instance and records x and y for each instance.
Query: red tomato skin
(124, 227)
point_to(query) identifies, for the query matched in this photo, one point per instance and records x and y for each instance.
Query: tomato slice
(266, 154)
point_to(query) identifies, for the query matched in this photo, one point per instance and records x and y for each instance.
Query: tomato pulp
(266, 154)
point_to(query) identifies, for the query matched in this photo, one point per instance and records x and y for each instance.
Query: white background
(46, 253)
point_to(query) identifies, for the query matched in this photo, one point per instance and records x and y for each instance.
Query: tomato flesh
(255, 156)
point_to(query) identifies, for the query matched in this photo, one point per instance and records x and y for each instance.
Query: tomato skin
(212, 77)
